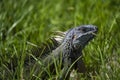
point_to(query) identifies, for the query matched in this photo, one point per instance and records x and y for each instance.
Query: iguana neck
(66, 48)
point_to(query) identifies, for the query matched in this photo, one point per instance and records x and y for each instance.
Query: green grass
(34, 20)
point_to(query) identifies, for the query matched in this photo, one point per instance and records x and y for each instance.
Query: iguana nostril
(95, 29)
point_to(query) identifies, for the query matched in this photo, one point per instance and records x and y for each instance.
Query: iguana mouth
(91, 32)
(94, 34)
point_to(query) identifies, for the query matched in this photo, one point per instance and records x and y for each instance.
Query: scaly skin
(70, 50)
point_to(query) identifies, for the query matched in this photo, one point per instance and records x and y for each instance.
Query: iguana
(70, 50)
(67, 52)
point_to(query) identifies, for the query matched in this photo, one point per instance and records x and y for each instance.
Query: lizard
(71, 50)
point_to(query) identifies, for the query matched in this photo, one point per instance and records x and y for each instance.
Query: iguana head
(78, 37)
(82, 35)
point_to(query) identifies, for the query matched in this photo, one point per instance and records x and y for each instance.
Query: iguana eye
(82, 30)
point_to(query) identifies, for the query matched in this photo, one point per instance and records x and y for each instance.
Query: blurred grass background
(34, 20)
